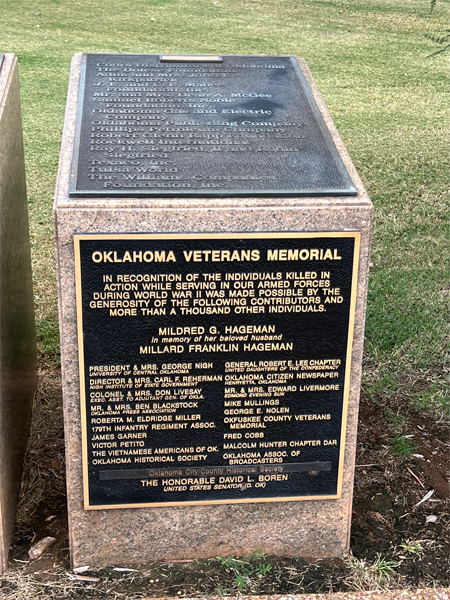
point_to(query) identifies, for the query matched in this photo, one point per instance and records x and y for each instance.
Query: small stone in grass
(50, 518)
(80, 570)
(39, 548)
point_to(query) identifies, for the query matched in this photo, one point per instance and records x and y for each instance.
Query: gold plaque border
(177, 236)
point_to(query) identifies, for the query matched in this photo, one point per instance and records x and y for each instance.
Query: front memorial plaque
(152, 125)
(214, 367)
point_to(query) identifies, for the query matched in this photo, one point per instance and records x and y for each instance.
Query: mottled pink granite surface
(312, 528)
(18, 375)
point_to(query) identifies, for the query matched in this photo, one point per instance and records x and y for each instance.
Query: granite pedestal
(18, 375)
(100, 535)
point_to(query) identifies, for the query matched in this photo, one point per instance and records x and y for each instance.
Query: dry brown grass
(43, 482)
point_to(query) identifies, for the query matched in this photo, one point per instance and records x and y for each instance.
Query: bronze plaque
(214, 367)
(150, 125)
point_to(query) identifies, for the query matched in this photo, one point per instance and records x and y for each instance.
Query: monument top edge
(159, 54)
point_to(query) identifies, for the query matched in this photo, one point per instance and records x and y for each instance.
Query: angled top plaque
(174, 125)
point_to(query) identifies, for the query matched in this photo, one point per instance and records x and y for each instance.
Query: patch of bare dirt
(396, 541)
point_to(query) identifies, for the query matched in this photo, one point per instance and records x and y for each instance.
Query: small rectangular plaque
(214, 367)
(150, 125)
(197, 58)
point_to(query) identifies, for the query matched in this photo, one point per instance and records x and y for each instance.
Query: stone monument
(212, 245)
(18, 375)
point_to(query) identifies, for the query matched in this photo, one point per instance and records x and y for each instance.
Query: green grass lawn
(390, 104)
